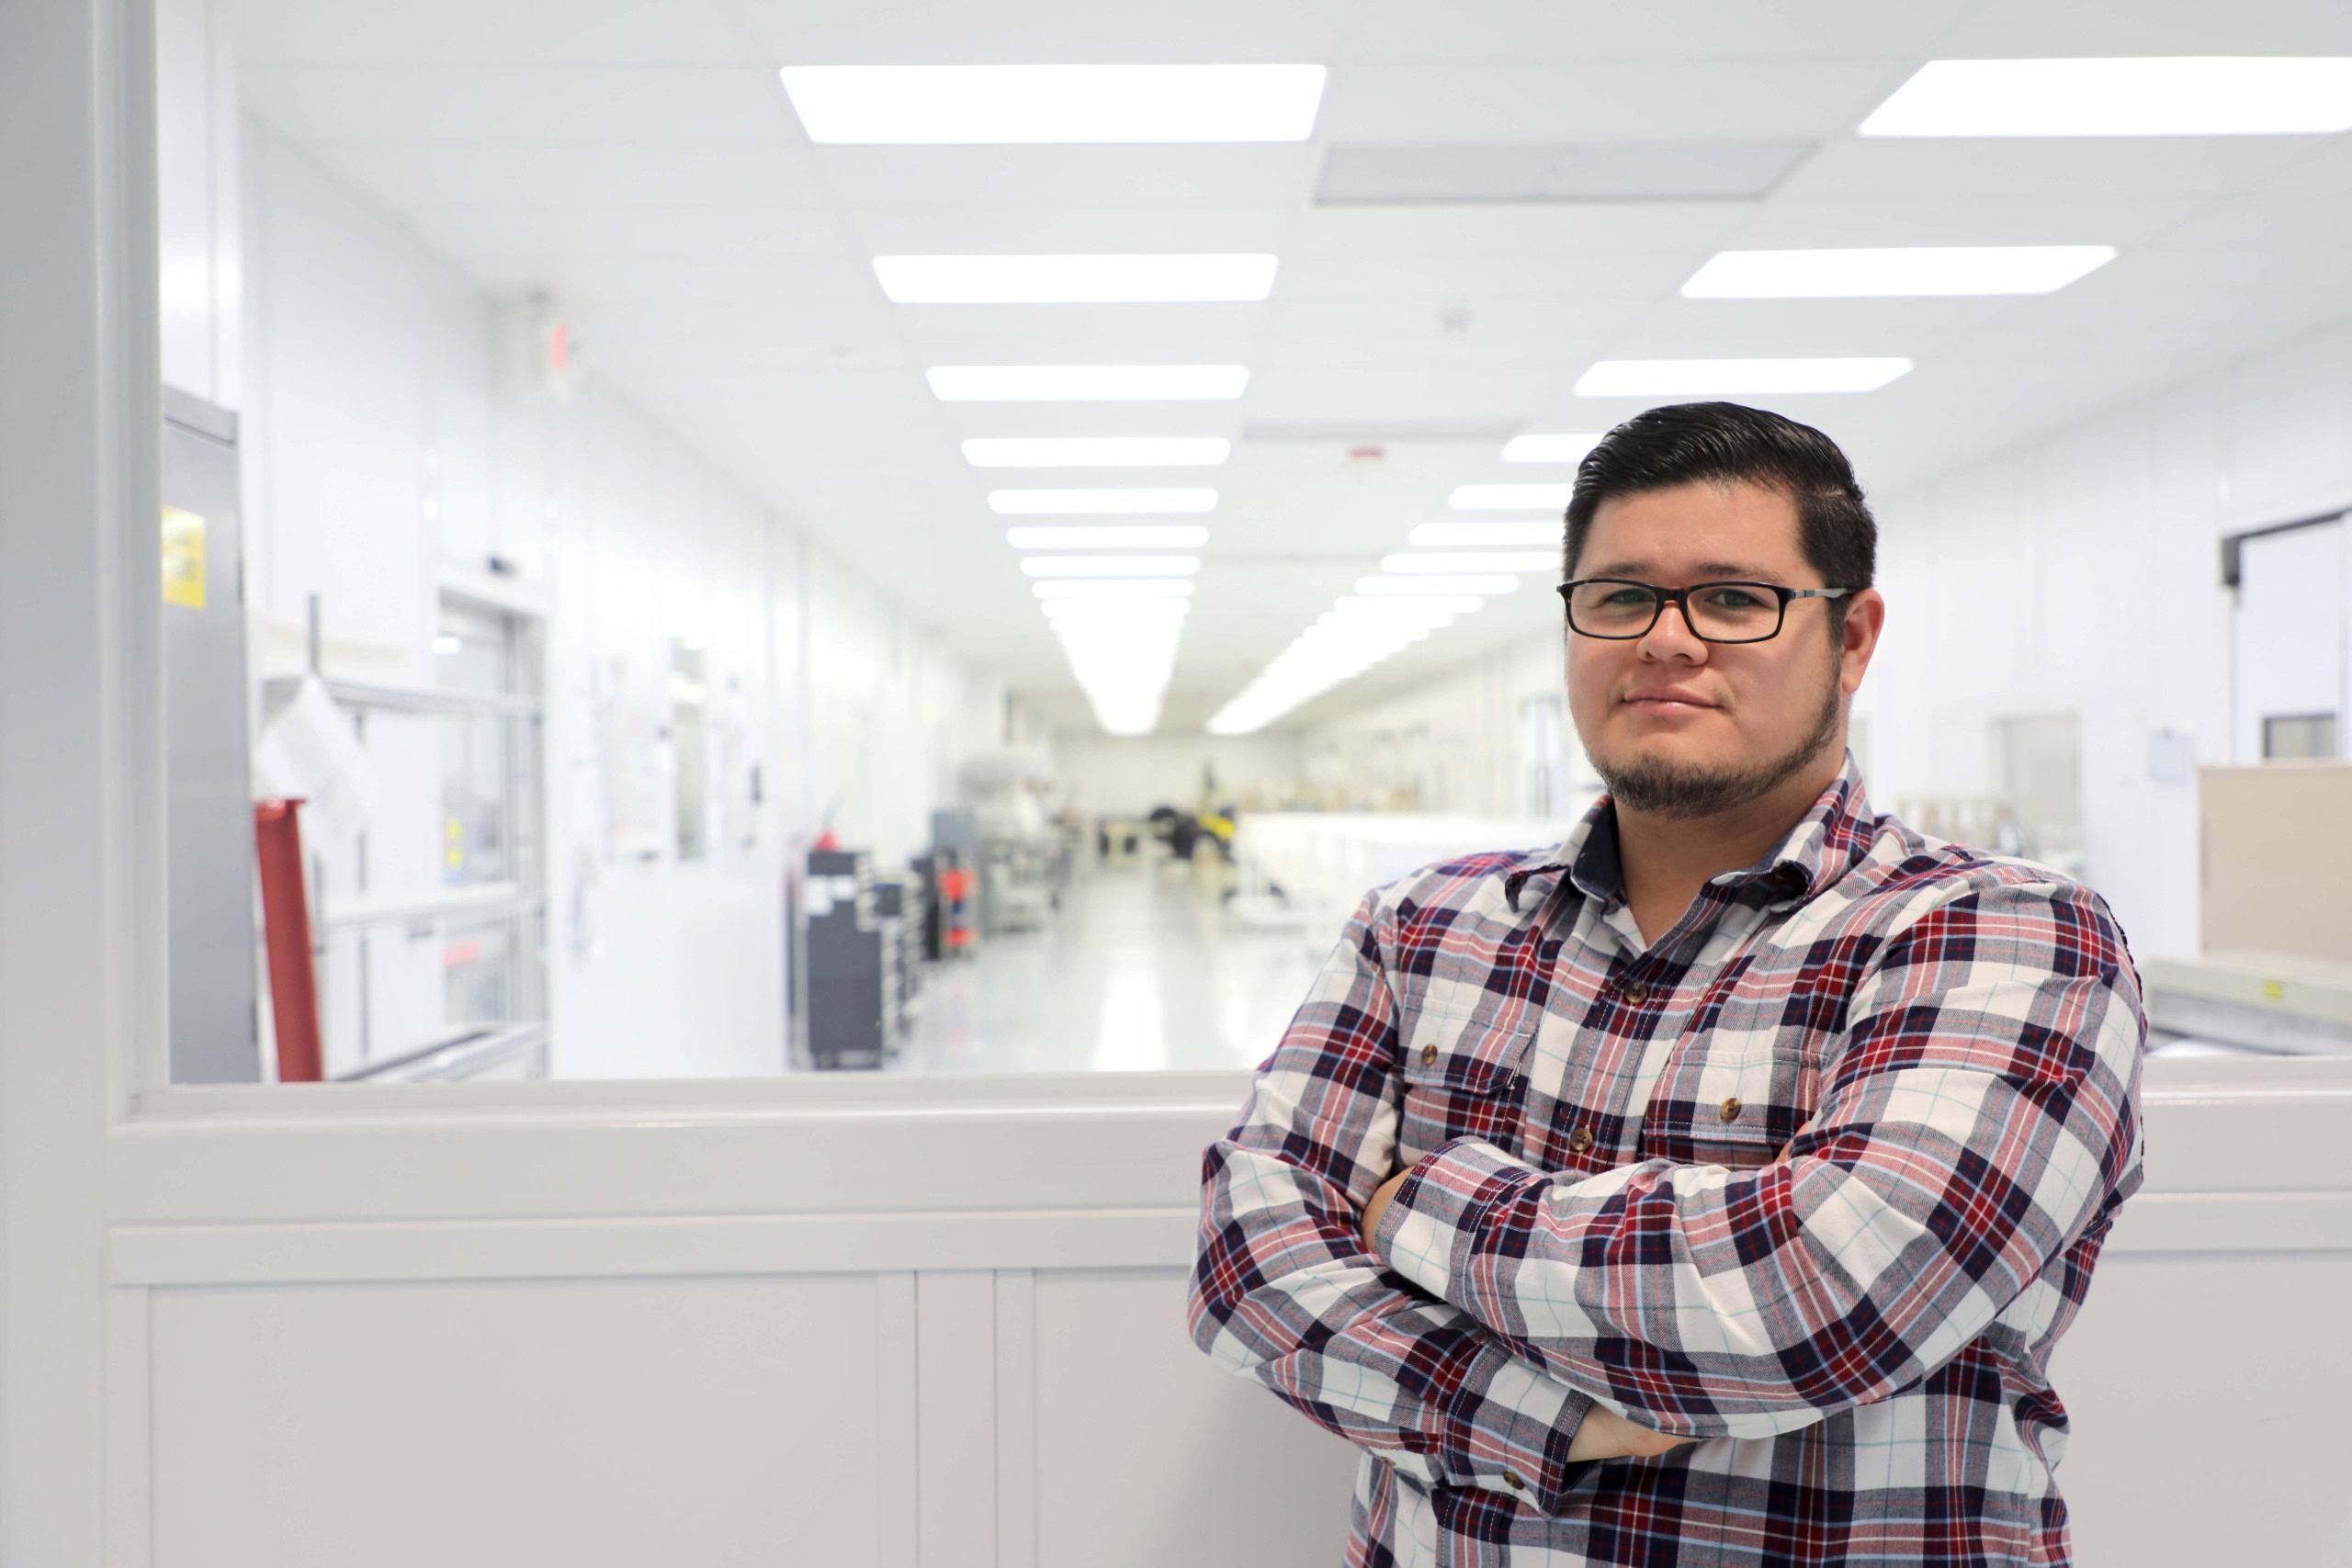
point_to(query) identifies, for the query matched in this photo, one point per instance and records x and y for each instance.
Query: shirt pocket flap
(1467, 1054)
(1738, 1116)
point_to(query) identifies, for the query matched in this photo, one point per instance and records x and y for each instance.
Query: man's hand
(1605, 1434)
(1378, 1205)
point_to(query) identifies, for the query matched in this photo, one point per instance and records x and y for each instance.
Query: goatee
(1682, 791)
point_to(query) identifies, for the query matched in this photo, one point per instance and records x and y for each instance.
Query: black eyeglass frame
(1680, 599)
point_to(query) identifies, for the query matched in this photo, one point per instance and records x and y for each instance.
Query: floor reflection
(1142, 970)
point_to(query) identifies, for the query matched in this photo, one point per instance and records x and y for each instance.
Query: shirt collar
(1820, 848)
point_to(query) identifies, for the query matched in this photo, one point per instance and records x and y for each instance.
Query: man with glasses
(1714, 1188)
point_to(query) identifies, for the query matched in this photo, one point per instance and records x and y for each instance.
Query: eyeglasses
(1620, 610)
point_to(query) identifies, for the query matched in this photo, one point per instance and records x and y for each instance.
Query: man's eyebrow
(1704, 571)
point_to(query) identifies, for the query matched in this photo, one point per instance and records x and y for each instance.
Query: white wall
(390, 453)
(1111, 775)
(2079, 572)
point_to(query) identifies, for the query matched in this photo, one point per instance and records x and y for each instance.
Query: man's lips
(1665, 699)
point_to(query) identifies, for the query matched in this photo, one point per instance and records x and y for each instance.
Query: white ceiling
(638, 160)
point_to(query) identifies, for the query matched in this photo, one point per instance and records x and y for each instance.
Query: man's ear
(1858, 636)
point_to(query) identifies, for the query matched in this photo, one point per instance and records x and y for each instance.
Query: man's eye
(1734, 599)
(1626, 598)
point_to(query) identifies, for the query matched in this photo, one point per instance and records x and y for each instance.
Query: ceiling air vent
(1679, 171)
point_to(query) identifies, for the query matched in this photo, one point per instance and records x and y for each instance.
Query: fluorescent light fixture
(1111, 536)
(1473, 560)
(1112, 588)
(1110, 566)
(1470, 536)
(1076, 280)
(1906, 272)
(448, 642)
(1086, 383)
(1001, 105)
(2164, 96)
(1507, 498)
(1099, 503)
(1122, 650)
(1097, 451)
(1356, 633)
(1433, 585)
(1548, 448)
(1113, 611)
(1670, 377)
(1362, 610)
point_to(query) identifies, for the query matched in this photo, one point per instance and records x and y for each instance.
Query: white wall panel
(2206, 1392)
(1148, 1456)
(487, 1423)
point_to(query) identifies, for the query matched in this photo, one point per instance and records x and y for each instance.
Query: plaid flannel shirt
(1946, 1043)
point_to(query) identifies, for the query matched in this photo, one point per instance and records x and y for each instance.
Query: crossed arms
(1496, 1325)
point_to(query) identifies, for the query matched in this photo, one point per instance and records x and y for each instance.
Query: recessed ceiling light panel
(1548, 448)
(1434, 585)
(1086, 383)
(1001, 105)
(1507, 498)
(2158, 96)
(1110, 566)
(1099, 503)
(1471, 536)
(1905, 272)
(1205, 278)
(1735, 378)
(1111, 536)
(1058, 588)
(1471, 560)
(1097, 451)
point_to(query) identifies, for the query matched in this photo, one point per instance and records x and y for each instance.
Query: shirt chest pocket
(1463, 1078)
(1736, 1111)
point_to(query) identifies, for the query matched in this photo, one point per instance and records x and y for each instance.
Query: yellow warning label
(183, 559)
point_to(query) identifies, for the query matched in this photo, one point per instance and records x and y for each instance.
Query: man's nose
(1671, 637)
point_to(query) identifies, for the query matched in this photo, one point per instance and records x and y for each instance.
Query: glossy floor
(1145, 967)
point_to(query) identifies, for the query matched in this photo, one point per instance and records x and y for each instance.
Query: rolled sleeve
(1283, 1292)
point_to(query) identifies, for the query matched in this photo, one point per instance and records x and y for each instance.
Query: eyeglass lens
(1719, 611)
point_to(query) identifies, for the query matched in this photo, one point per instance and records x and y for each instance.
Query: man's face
(1690, 728)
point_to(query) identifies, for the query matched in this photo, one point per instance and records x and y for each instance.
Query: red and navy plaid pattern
(1896, 1109)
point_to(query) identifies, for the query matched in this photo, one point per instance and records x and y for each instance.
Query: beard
(1686, 792)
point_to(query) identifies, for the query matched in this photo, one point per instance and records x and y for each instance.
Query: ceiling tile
(640, 106)
(1629, 100)
(1412, 32)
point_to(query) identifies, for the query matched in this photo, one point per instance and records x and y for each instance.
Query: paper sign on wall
(183, 559)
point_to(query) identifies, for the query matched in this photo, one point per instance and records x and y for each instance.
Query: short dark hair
(1730, 444)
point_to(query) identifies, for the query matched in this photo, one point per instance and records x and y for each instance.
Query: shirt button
(1429, 1056)
(1580, 1140)
(1511, 1479)
(1637, 993)
(1731, 1109)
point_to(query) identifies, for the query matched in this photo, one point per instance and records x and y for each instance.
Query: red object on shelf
(286, 927)
(955, 883)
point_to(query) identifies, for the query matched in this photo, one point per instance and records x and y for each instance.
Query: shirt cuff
(1431, 1226)
(1508, 1429)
